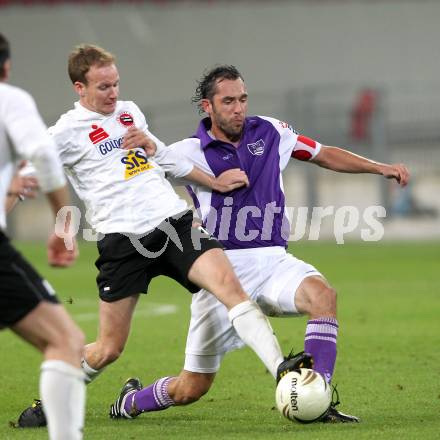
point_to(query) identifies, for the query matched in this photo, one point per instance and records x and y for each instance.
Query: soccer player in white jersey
(29, 306)
(251, 224)
(117, 167)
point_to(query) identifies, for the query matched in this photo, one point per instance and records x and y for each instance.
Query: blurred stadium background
(358, 73)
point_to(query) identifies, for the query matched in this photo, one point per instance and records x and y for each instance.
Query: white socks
(254, 329)
(63, 393)
(90, 373)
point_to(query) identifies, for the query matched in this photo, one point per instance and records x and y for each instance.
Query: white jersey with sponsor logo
(23, 135)
(124, 191)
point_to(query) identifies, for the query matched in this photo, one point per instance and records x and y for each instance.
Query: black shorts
(21, 287)
(127, 262)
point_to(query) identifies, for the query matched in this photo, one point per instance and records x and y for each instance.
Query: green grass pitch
(388, 368)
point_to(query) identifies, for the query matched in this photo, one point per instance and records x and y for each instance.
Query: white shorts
(270, 276)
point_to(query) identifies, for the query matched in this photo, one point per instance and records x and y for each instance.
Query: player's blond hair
(83, 57)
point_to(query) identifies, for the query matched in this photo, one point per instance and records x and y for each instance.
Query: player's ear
(79, 88)
(206, 105)
(6, 70)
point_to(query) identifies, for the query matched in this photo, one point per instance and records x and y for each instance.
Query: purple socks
(320, 342)
(152, 398)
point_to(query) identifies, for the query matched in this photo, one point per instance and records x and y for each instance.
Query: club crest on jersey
(98, 134)
(125, 119)
(257, 148)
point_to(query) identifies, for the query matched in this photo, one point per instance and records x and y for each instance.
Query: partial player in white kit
(251, 223)
(28, 304)
(118, 167)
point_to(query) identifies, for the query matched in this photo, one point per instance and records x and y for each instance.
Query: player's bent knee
(323, 301)
(328, 295)
(104, 352)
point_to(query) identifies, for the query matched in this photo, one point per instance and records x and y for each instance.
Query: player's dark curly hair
(206, 86)
(5, 54)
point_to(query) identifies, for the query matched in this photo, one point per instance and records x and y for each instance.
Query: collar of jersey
(87, 114)
(205, 126)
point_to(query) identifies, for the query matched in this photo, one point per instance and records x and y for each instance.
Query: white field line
(150, 309)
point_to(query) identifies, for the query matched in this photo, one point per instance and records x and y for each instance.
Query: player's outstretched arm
(338, 159)
(225, 182)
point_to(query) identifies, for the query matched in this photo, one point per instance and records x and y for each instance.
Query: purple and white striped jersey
(254, 216)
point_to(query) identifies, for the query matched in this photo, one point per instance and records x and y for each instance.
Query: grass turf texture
(388, 366)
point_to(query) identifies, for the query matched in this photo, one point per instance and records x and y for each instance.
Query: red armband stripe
(301, 155)
(307, 141)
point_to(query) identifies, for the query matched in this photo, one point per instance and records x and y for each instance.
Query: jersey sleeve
(173, 162)
(178, 149)
(28, 133)
(287, 139)
(305, 148)
(292, 144)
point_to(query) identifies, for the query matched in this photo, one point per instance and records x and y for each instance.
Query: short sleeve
(28, 133)
(24, 124)
(287, 139)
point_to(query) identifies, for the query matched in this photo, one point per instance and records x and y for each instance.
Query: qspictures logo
(307, 225)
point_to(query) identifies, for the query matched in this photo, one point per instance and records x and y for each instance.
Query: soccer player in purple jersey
(251, 224)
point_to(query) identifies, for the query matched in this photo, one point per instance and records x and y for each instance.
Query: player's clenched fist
(61, 253)
(134, 137)
(231, 179)
(397, 171)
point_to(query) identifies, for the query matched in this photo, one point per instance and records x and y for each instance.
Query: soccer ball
(303, 396)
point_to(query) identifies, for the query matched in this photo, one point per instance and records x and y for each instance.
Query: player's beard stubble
(230, 128)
